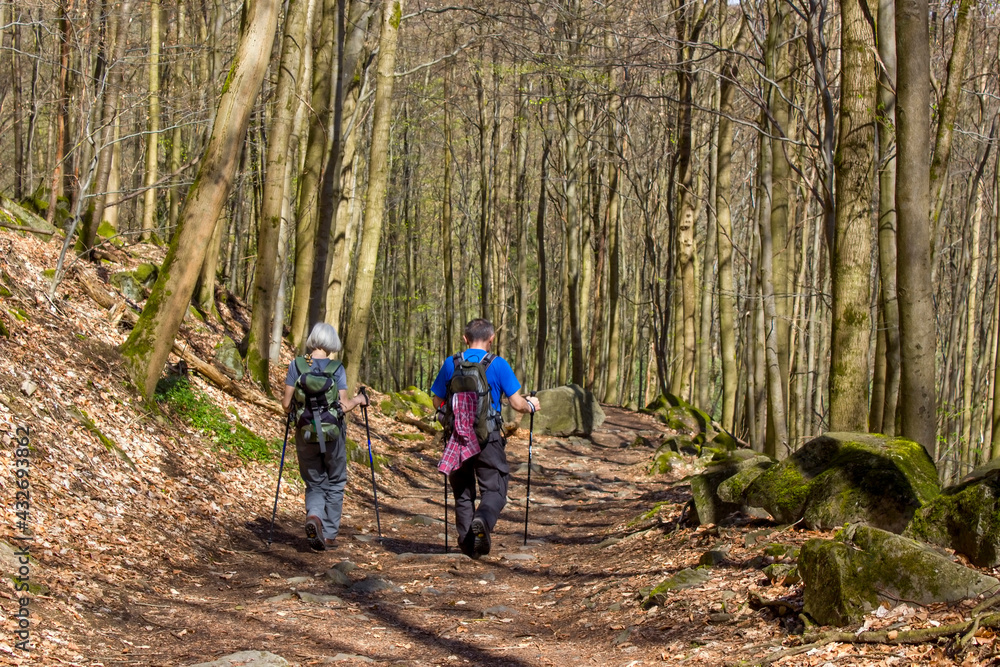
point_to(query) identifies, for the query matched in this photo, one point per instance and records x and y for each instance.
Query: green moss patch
(199, 411)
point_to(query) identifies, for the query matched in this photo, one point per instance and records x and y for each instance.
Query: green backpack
(317, 402)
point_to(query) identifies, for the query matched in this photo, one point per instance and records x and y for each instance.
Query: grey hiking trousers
(325, 477)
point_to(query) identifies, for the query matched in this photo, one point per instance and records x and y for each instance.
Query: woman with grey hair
(323, 464)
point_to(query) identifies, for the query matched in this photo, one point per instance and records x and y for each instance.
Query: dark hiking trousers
(489, 468)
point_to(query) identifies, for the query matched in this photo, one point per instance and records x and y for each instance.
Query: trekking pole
(446, 513)
(527, 497)
(274, 512)
(371, 460)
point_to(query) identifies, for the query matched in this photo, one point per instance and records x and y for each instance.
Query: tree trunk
(948, 112)
(286, 103)
(523, 222)
(917, 407)
(452, 325)
(542, 327)
(852, 248)
(177, 85)
(152, 125)
(309, 181)
(378, 171)
(108, 141)
(329, 199)
(151, 340)
(888, 304)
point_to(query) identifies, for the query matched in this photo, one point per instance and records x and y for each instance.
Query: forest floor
(148, 541)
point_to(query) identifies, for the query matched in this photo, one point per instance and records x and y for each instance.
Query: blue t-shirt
(339, 375)
(499, 375)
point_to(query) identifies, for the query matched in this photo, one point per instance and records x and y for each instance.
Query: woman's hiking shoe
(481, 533)
(314, 532)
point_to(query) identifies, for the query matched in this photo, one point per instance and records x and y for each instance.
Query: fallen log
(216, 377)
(412, 421)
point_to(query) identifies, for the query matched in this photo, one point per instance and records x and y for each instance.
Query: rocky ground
(148, 538)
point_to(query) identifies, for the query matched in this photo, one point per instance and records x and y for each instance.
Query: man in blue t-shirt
(489, 467)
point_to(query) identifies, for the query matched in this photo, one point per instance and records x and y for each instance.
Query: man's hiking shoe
(481, 535)
(329, 543)
(314, 532)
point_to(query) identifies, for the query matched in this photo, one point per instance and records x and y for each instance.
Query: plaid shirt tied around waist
(463, 443)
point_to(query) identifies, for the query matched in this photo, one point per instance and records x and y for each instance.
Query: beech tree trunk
(852, 247)
(378, 170)
(917, 406)
(151, 340)
(286, 103)
(152, 124)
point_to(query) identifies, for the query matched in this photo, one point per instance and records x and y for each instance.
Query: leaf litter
(152, 551)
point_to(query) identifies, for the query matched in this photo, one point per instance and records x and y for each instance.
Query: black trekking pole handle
(274, 512)
(527, 495)
(371, 460)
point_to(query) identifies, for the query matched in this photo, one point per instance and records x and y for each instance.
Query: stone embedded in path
(840, 478)
(687, 578)
(338, 578)
(345, 566)
(499, 611)
(520, 557)
(343, 657)
(295, 581)
(247, 659)
(319, 599)
(373, 585)
(421, 520)
(863, 566)
(279, 598)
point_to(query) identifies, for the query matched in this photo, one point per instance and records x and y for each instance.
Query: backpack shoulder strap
(331, 367)
(457, 358)
(301, 365)
(487, 360)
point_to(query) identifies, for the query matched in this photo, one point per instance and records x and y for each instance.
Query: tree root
(965, 630)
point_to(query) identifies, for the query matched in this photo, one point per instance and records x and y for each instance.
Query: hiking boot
(314, 532)
(481, 536)
(329, 543)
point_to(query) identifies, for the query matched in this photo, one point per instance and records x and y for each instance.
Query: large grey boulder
(247, 659)
(965, 517)
(841, 478)
(863, 566)
(567, 410)
(128, 285)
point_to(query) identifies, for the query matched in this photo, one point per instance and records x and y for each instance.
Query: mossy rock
(359, 454)
(840, 478)
(107, 232)
(228, 356)
(687, 578)
(678, 414)
(14, 214)
(776, 550)
(731, 490)
(782, 572)
(650, 518)
(681, 444)
(847, 577)
(663, 461)
(965, 518)
(146, 274)
(712, 506)
(126, 283)
(409, 400)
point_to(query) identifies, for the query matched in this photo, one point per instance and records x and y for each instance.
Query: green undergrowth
(199, 411)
